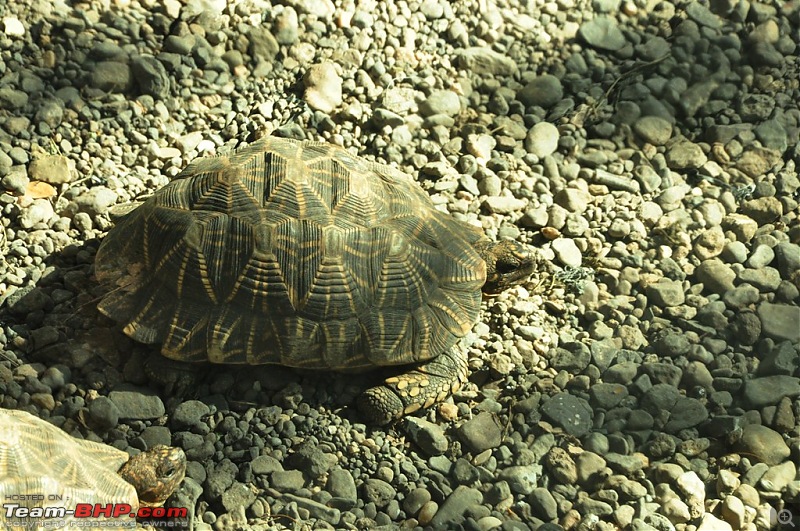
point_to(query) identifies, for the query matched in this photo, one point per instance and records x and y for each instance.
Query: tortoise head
(508, 263)
(155, 474)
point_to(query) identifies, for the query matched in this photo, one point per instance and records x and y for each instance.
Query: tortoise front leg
(418, 388)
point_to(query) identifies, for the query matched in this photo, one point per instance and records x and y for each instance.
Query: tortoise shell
(293, 253)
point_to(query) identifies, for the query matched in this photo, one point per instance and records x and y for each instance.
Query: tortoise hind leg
(418, 388)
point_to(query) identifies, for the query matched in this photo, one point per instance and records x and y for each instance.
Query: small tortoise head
(155, 474)
(508, 263)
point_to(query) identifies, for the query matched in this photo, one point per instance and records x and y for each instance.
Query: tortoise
(300, 254)
(42, 466)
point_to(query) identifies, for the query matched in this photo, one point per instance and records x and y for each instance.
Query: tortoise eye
(505, 267)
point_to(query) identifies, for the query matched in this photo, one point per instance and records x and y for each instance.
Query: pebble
(136, 404)
(685, 155)
(323, 87)
(444, 102)
(111, 76)
(710, 522)
(571, 413)
(287, 481)
(763, 444)
(315, 509)
(504, 204)
(428, 436)
(378, 492)
(666, 293)
(602, 33)
(482, 60)
(97, 200)
(653, 129)
(768, 390)
(716, 275)
(53, 169)
(104, 413)
(151, 76)
(38, 211)
(455, 506)
(567, 252)
(542, 140)
(480, 433)
(13, 27)
(779, 321)
(543, 91)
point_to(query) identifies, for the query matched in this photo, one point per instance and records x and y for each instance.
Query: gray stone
(12, 99)
(715, 275)
(480, 433)
(16, 179)
(602, 33)
(763, 210)
(763, 444)
(96, 200)
(567, 252)
(342, 485)
(741, 296)
(685, 155)
(543, 504)
(780, 321)
(111, 76)
(778, 477)
(287, 480)
(504, 204)
(286, 26)
(783, 359)
(237, 495)
(521, 479)
(766, 279)
(788, 255)
(38, 211)
(444, 102)
(573, 199)
(378, 492)
(50, 112)
(315, 509)
(666, 293)
(762, 256)
(709, 243)
(220, 477)
(189, 414)
(427, 435)
(543, 91)
(769, 390)
(482, 60)
(323, 87)
(103, 413)
(151, 77)
(653, 129)
(542, 139)
(772, 134)
(455, 507)
(263, 47)
(265, 464)
(53, 169)
(137, 403)
(686, 413)
(311, 460)
(607, 395)
(570, 412)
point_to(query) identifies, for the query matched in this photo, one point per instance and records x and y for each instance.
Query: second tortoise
(301, 254)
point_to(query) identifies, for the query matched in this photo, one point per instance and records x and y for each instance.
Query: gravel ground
(648, 149)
